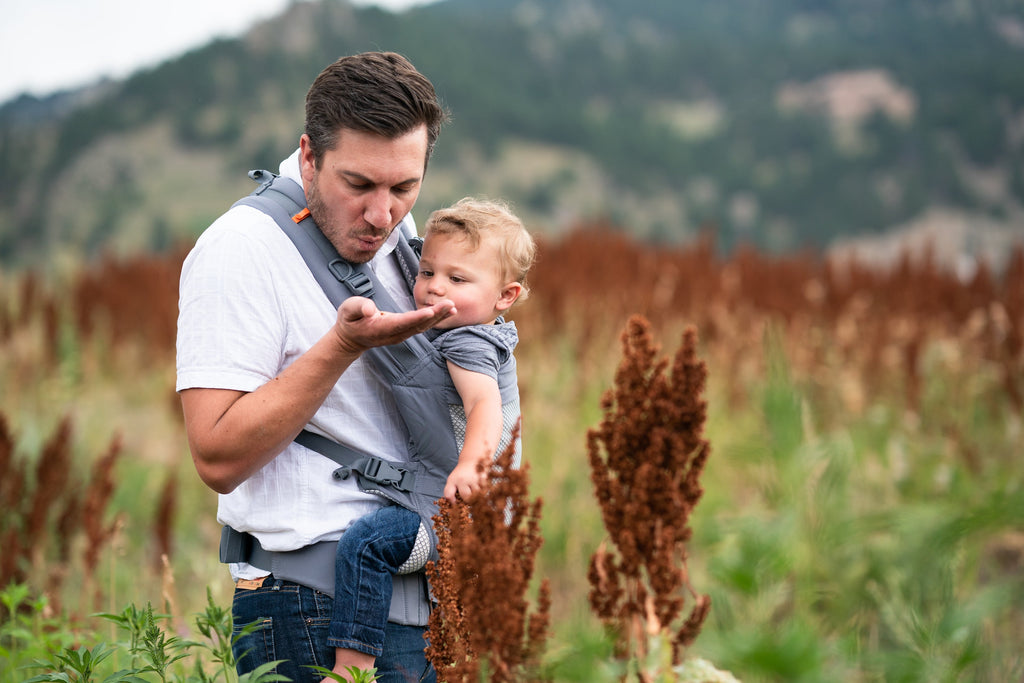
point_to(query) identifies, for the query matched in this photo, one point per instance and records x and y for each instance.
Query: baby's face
(471, 279)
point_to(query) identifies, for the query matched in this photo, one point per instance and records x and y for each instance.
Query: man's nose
(378, 210)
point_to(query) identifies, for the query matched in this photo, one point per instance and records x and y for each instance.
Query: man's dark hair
(372, 92)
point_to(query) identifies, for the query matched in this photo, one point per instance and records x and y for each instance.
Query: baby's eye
(425, 273)
(457, 278)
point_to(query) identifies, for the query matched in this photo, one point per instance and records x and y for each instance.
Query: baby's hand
(465, 480)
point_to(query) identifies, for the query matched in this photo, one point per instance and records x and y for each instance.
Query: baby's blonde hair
(479, 219)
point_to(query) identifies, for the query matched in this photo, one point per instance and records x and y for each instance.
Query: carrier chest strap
(367, 467)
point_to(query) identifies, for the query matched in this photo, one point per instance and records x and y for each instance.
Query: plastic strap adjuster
(358, 283)
(380, 472)
(264, 178)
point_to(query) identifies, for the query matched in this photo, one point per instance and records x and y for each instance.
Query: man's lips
(369, 242)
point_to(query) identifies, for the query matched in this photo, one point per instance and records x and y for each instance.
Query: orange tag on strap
(301, 216)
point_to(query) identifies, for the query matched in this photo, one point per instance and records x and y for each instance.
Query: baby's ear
(509, 294)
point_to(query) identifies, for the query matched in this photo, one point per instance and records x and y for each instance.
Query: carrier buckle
(381, 472)
(358, 283)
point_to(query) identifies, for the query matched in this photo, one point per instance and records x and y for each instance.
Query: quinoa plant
(482, 627)
(646, 458)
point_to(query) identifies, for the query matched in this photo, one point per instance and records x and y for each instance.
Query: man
(262, 355)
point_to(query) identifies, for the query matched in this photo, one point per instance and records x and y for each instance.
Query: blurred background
(830, 192)
(833, 125)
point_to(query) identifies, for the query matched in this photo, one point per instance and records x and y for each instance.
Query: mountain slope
(786, 124)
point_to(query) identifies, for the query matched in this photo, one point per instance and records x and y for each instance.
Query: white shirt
(249, 307)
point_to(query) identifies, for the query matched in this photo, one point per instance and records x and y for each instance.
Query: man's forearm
(234, 434)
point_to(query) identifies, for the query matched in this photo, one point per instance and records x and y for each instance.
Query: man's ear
(509, 294)
(307, 160)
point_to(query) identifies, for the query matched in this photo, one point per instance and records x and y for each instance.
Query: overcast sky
(48, 45)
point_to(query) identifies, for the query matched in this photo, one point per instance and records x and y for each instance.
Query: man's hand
(361, 325)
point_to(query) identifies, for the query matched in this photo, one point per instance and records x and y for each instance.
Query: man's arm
(232, 434)
(481, 400)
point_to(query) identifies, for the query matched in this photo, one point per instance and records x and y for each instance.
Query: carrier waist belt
(311, 566)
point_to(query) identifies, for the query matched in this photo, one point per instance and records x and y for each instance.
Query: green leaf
(60, 677)
(124, 676)
(264, 674)
(356, 675)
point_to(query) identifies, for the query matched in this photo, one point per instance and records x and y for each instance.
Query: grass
(851, 529)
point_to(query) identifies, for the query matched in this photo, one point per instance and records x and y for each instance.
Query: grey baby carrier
(413, 368)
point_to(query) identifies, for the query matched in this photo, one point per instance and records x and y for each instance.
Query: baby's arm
(481, 400)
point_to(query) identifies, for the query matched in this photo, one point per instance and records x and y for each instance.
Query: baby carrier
(413, 368)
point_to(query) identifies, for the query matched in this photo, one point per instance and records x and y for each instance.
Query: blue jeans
(369, 553)
(293, 626)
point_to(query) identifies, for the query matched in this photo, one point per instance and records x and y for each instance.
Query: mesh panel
(420, 553)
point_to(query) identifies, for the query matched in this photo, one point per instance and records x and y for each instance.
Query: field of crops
(862, 516)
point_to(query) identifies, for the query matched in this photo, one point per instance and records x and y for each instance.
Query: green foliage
(264, 673)
(355, 674)
(657, 667)
(154, 654)
(25, 633)
(867, 543)
(841, 576)
(80, 664)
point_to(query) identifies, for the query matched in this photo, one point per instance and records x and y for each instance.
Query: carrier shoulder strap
(284, 201)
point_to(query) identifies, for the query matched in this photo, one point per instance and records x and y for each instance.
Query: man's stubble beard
(323, 216)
